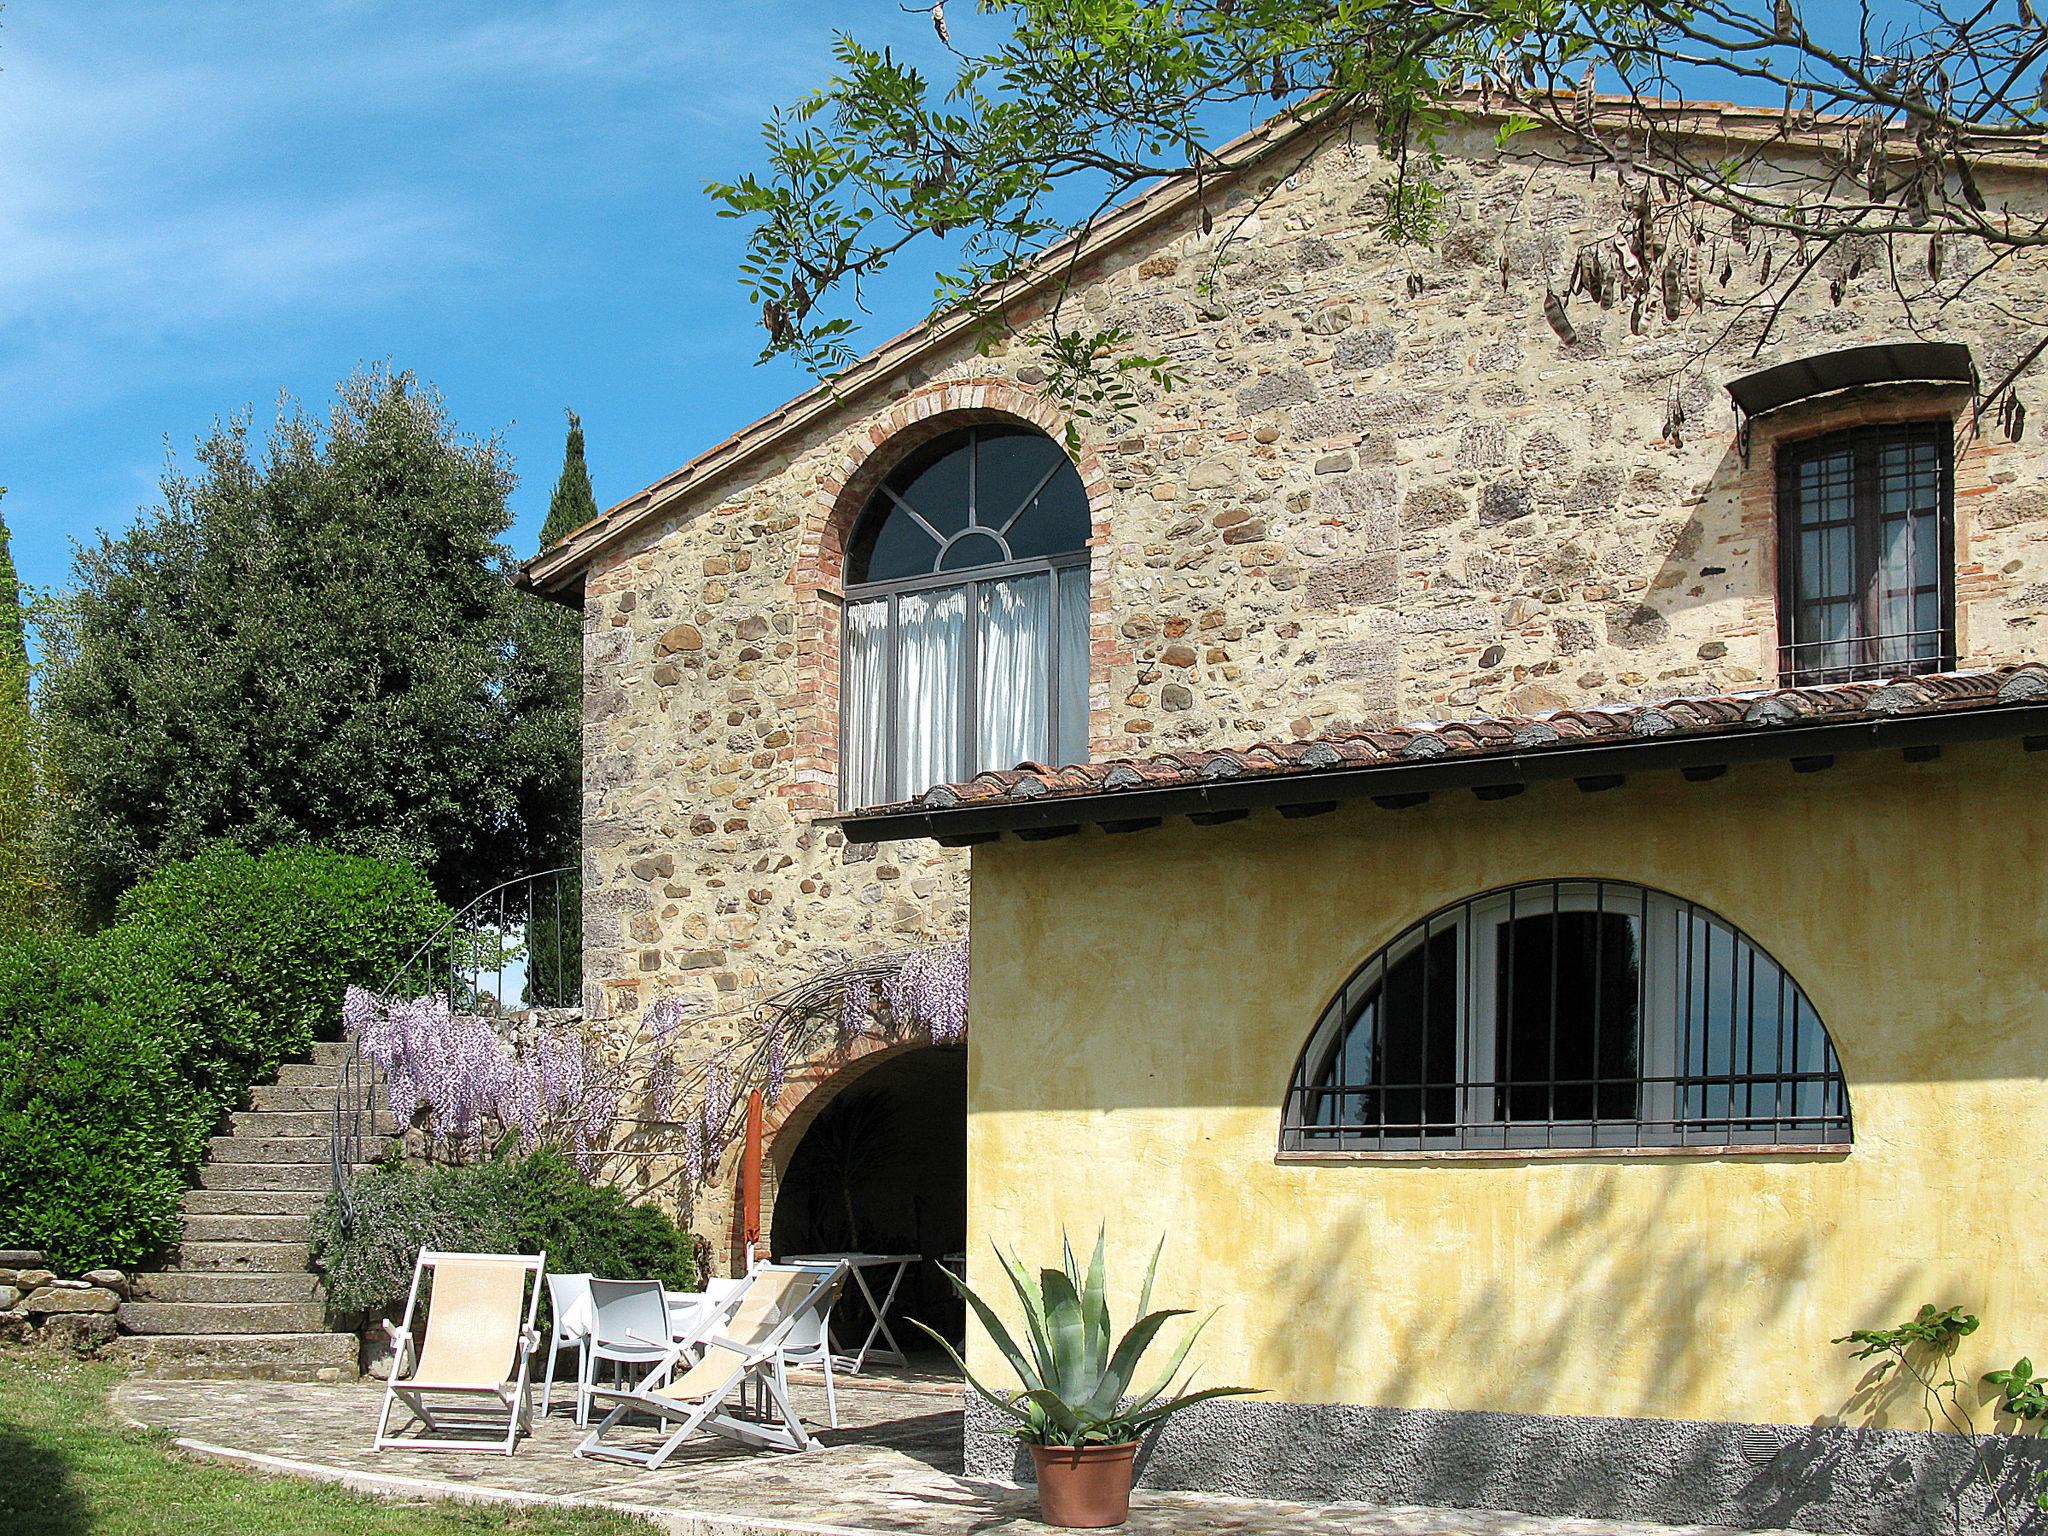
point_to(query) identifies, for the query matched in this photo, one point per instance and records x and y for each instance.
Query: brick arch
(806, 1093)
(818, 575)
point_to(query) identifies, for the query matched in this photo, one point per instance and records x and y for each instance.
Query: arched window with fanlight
(1567, 1013)
(966, 629)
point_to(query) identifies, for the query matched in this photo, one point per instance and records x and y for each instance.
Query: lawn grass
(69, 1467)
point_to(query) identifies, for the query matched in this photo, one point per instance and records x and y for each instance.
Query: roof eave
(1508, 772)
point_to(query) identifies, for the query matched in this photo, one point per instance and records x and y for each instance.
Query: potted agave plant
(1078, 1408)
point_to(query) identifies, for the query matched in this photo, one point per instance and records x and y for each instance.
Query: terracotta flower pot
(1084, 1487)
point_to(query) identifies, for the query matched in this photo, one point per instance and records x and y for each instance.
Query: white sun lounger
(742, 1343)
(474, 1357)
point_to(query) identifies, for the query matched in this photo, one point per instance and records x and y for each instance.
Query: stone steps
(205, 1285)
(250, 1257)
(300, 1123)
(207, 1318)
(267, 1149)
(241, 1302)
(299, 1176)
(254, 1202)
(245, 1229)
(242, 1356)
(317, 1099)
(298, 1074)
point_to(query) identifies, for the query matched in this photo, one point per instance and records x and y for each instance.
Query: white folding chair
(569, 1302)
(809, 1341)
(746, 1346)
(629, 1327)
(478, 1342)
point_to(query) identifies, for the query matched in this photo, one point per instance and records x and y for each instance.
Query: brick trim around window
(818, 574)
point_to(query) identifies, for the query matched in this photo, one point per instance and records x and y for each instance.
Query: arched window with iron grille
(966, 629)
(1568, 1013)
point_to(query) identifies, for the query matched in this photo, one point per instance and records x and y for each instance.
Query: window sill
(1831, 1150)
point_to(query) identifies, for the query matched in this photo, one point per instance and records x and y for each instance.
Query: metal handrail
(520, 902)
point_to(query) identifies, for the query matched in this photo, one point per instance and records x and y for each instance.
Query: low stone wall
(41, 1308)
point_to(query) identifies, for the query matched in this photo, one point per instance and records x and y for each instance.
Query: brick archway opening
(873, 1158)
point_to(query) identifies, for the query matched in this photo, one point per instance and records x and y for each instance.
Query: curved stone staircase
(241, 1301)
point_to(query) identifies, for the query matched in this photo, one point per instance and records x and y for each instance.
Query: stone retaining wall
(39, 1307)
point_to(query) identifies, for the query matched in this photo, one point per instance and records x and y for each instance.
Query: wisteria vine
(468, 1079)
(545, 1083)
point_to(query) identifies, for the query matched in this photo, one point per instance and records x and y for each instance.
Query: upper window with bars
(1573, 1014)
(965, 644)
(1866, 554)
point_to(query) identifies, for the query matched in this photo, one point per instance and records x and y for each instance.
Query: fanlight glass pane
(1568, 1014)
(1017, 487)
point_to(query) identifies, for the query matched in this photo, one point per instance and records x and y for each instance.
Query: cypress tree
(20, 893)
(573, 503)
(13, 626)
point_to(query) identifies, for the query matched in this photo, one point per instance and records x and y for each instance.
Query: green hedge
(532, 1204)
(122, 1051)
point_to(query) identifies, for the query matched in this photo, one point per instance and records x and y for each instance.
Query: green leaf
(1067, 1332)
(1116, 1379)
(1167, 1409)
(1005, 1405)
(1164, 1381)
(1034, 1315)
(995, 1329)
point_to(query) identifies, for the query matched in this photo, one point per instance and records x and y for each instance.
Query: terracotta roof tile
(1481, 736)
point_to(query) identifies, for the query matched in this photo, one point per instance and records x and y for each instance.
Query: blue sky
(202, 204)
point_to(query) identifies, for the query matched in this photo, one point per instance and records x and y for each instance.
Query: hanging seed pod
(1740, 230)
(1785, 21)
(1968, 182)
(1934, 257)
(1560, 322)
(1587, 102)
(939, 22)
(1764, 277)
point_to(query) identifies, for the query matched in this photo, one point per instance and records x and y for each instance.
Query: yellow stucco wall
(1139, 1001)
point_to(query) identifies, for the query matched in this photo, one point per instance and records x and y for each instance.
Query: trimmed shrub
(98, 1121)
(534, 1204)
(265, 943)
(121, 1051)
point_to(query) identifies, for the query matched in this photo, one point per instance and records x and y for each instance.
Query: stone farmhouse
(1411, 639)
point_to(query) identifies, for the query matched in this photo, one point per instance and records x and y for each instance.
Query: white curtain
(1071, 686)
(864, 700)
(1014, 673)
(930, 661)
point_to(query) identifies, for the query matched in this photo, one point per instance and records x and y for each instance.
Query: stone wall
(1384, 488)
(40, 1309)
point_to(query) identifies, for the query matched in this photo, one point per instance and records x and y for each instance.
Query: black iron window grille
(1567, 1013)
(965, 637)
(1866, 540)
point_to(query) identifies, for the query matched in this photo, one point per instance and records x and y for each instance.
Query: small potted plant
(1078, 1410)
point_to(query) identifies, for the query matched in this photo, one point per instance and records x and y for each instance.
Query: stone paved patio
(890, 1467)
